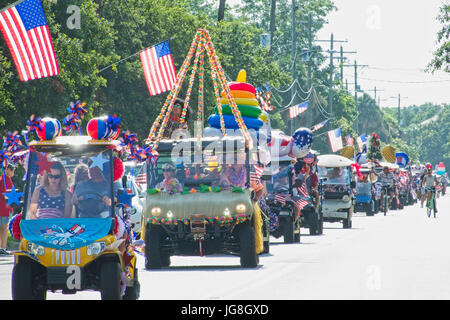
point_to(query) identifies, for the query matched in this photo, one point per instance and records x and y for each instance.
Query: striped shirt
(50, 207)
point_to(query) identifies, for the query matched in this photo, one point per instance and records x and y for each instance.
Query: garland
(237, 218)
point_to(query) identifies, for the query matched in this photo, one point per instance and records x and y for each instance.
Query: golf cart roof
(333, 161)
(74, 145)
(227, 141)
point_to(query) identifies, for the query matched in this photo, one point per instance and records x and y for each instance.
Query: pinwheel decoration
(12, 142)
(72, 122)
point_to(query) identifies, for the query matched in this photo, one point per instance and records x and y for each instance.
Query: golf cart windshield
(337, 175)
(185, 168)
(69, 183)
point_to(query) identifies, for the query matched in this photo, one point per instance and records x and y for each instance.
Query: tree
(441, 60)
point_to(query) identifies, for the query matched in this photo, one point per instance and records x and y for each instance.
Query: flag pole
(134, 54)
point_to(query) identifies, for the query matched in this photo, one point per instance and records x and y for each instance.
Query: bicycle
(431, 203)
(385, 190)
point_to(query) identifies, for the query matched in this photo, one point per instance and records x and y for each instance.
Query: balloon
(50, 130)
(301, 142)
(97, 129)
(401, 159)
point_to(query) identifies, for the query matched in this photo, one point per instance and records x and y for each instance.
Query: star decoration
(43, 164)
(13, 196)
(125, 198)
(98, 161)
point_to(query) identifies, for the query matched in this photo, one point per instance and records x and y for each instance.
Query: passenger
(233, 176)
(170, 183)
(52, 199)
(94, 187)
(336, 176)
(81, 174)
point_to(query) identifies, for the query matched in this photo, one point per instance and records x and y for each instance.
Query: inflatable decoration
(280, 144)
(50, 129)
(14, 226)
(440, 168)
(244, 96)
(401, 159)
(388, 153)
(348, 152)
(301, 142)
(104, 128)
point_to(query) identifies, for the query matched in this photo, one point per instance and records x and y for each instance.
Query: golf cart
(72, 245)
(279, 200)
(365, 197)
(188, 211)
(338, 200)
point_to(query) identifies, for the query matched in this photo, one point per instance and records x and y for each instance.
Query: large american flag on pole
(159, 70)
(28, 38)
(335, 138)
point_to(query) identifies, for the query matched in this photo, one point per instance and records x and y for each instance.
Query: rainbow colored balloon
(51, 128)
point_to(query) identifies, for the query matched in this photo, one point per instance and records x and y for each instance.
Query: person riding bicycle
(429, 183)
(387, 180)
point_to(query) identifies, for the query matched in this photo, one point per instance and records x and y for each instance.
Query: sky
(396, 40)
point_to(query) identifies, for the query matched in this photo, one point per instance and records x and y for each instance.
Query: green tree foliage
(441, 60)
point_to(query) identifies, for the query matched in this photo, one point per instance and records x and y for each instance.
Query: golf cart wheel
(266, 235)
(153, 256)
(249, 258)
(320, 228)
(132, 293)
(110, 281)
(297, 232)
(288, 230)
(22, 283)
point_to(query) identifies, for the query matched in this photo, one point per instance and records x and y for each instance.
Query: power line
(407, 82)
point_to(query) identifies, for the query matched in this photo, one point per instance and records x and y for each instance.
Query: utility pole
(272, 23)
(355, 66)
(375, 93)
(342, 58)
(293, 57)
(399, 104)
(221, 14)
(330, 81)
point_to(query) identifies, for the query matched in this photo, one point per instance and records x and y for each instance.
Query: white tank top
(429, 181)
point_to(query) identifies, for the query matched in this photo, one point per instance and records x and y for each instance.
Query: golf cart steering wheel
(91, 207)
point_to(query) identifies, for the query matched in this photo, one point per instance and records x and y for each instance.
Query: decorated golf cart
(202, 195)
(71, 231)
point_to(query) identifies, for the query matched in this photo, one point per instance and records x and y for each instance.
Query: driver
(170, 183)
(94, 188)
(387, 179)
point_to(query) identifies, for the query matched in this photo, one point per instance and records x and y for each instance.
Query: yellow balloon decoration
(348, 152)
(242, 76)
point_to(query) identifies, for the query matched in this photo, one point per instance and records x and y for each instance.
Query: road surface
(404, 255)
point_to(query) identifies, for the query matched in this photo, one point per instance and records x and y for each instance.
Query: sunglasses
(56, 176)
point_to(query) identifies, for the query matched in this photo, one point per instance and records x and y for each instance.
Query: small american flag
(28, 38)
(302, 190)
(255, 176)
(159, 70)
(141, 178)
(300, 204)
(349, 140)
(294, 111)
(281, 198)
(267, 95)
(319, 125)
(335, 138)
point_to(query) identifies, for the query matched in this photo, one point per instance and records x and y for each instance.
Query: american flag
(159, 70)
(260, 97)
(319, 125)
(281, 198)
(294, 111)
(28, 38)
(141, 178)
(335, 138)
(255, 176)
(300, 204)
(361, 141)
(267, 95)
(302, 190)
(349, 140)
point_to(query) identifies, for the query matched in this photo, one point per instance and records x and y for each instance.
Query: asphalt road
(404, 255)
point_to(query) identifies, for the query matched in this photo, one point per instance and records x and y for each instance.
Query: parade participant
(429, 182)
(387, 179)
(233, 176)
(52, 199)
(96, 184)
(5, 210)
(170, 183)
(81, 174)
(175, 119)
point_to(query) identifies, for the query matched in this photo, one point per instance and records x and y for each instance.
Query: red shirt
(4, 209)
